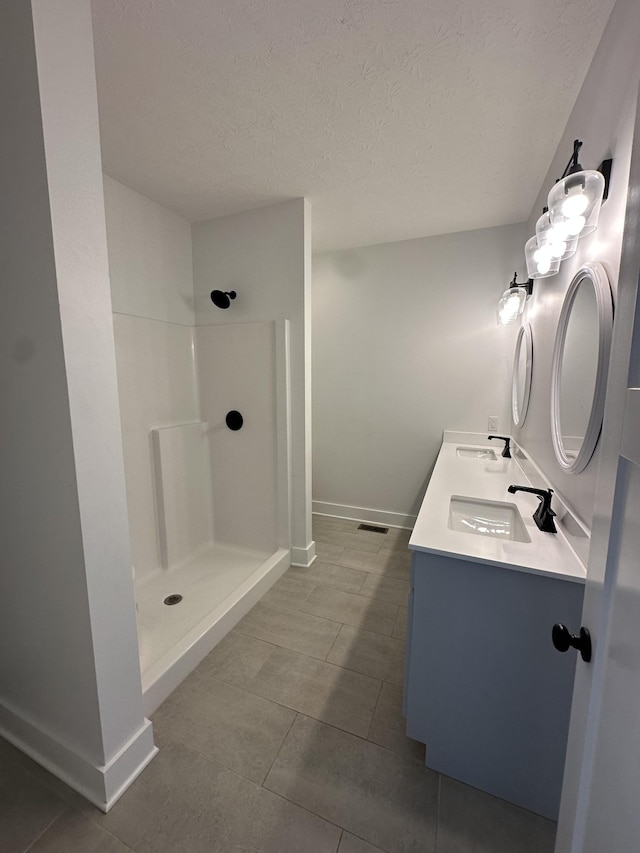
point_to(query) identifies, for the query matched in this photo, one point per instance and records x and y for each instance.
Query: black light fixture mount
(528, 285)
(573, 167)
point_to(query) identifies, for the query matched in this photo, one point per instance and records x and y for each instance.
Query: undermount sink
(498, 519)
(476, 453)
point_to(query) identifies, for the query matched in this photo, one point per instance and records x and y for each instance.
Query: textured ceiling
(396, 118)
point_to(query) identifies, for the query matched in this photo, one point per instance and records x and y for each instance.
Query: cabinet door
(486, 691)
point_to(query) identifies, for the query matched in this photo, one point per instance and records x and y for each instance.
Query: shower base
(218, 587)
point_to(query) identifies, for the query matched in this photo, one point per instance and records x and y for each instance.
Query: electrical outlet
(494, 423)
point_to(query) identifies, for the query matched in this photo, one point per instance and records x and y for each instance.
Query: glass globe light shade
(511, 305)
(560, 243)
(575, 226)
(574, 202)
(540, 260)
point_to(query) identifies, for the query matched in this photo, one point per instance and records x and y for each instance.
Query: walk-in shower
(206, 452)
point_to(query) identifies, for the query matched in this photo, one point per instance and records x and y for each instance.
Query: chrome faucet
(507, 441)
(543, 516)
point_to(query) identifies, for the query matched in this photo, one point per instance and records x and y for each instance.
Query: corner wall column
(70, 693)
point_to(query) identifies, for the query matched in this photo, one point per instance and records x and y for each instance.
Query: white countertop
(546, 554)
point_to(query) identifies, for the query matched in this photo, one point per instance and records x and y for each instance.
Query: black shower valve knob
(234, 420)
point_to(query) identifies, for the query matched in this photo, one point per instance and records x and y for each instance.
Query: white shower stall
(209, 506)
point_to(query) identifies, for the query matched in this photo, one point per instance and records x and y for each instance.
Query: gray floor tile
(236, 728)
(237, 658)
(324, 522)
(395, 537)
(350, 844)
(369, 653)
(350, 609)
(288, 593)
(300, 632)
(72, 831)
(394, 547)
(136, 810)
(13, 760)
(27, 807)
(400, 627)
(387, 800)
(395, 670)
(471, 821)
(378, 539)
(328, 553)
(378, 789)
(399, 536)
(10, 758)
(218, 811)
(393, 590)
(41, 778)
(388, 725)
(340, 577)
(390, 565)
(359, 541)
(319, 689)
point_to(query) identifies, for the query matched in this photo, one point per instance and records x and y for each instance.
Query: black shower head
(221, 299)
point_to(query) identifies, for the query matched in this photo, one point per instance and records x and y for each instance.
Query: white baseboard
(359, 513)
(125, 767)
(102, 785)
(303, 557)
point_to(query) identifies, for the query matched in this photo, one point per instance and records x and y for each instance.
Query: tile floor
(288, 738)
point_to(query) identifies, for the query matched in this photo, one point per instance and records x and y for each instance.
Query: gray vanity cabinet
(485, 689)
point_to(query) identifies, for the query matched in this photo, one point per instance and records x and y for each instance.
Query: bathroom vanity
(485, 689)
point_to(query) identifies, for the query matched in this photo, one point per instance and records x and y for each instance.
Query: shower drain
(173, 599)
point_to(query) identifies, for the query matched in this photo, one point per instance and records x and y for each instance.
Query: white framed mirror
(579, 368)
(521, 376)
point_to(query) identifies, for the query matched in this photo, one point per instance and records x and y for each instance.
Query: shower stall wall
(209, 506)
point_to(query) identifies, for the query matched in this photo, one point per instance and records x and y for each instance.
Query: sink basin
(498, 519)
(477, 453)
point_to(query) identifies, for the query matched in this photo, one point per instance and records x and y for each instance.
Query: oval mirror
(579, 369)
(521, 378)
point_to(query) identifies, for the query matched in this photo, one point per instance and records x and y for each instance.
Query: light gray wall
(603, 118)
(405, 345)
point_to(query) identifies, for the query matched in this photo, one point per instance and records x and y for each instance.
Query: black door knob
(563, 640)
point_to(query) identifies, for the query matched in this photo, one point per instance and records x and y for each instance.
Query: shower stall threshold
(218, 587)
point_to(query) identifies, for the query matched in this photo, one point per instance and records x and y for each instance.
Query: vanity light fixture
(512, 301)
(574, 202)
(573, 211)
